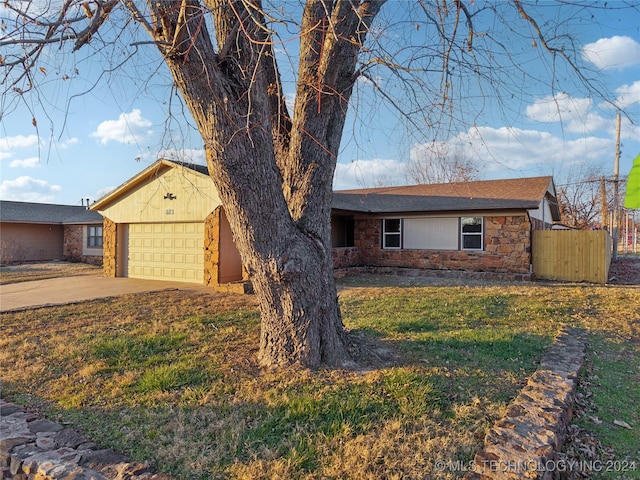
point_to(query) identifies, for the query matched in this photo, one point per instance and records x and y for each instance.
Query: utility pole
(605, 206)
(616, 169)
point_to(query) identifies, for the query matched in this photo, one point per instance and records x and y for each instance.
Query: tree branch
(103, 9)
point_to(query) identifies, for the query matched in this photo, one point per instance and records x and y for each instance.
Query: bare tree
(435, 164)
(273, 168)
(579, 194)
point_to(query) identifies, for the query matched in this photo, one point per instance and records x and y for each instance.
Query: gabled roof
(26, 212)
(153, 170)
(510, 194)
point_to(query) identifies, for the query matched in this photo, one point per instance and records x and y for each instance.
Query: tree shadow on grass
(298, 417)
(412, 370)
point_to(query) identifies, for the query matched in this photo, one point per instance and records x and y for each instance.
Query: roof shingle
(27, 212)
(519, 193)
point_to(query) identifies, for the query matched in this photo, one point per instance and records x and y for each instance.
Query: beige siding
(195, 197)
(166, 251)
(20, 242)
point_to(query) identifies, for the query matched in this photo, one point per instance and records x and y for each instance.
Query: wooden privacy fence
(573, 255)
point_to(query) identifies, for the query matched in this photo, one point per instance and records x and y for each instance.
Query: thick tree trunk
(301, 320)
(290, 268)
(273, 173)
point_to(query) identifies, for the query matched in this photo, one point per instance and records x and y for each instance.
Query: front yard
(171, 378)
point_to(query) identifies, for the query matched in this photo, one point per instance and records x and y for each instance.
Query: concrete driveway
(60, 291)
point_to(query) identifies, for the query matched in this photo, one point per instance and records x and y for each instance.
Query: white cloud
(28, 189)
(554, 108)
(575, 114)
(19, 141)
(628, 130)
(507, 149)
(615, 52)
(188, 155)
(8, 145)
(498, 153)
(369, 173)
(68, 143)
(104, 191)
(129, 128)
(628, 94)
(31, 162)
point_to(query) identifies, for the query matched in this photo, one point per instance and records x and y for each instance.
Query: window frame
(464, 234)
(386, 234)
(95, 236)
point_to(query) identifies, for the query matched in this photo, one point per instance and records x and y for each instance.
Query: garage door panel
(167, 251)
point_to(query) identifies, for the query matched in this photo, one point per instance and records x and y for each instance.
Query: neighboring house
(38, 231)
(167, 222)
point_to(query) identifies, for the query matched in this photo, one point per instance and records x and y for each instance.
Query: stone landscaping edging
(522, 445)
(39, 449)
(525, 443)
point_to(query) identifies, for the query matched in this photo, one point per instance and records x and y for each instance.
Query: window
(471, 232)
(342, 231)
(94, 236)
(391, 233)
(431, 233)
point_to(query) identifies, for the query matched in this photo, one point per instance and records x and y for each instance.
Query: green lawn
(172, 378)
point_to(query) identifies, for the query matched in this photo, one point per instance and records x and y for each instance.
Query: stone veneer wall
(212, 247)
(109, 247)
(507, 242)
(212, 258)
(344, 257)
(72, 246)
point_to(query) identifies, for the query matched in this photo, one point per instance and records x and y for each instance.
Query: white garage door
(166, 251)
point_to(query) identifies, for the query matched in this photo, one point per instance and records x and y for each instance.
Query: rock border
(38, 449)
(525, 443)
(522, 445)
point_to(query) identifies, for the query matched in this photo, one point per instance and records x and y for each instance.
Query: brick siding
(507, 250)
(73, 245)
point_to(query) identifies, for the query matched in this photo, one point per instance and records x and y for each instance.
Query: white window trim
(481, 234)
(385, 233)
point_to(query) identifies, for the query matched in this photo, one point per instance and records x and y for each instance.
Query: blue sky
(84, 147)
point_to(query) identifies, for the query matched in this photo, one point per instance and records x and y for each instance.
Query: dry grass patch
(171, 377)
(40, 271)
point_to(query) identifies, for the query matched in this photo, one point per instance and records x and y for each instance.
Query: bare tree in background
(433, 164)
(580, 196)
(272, 167)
